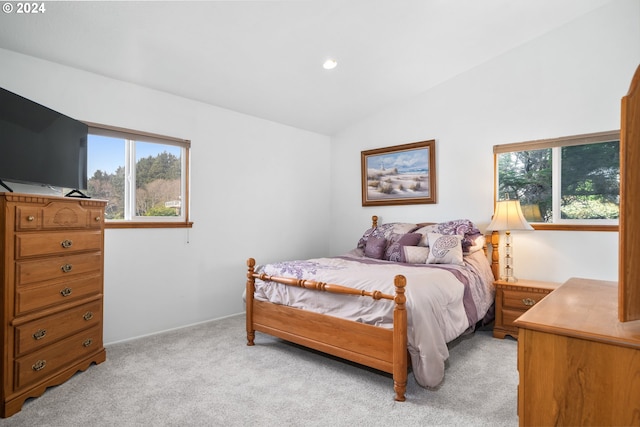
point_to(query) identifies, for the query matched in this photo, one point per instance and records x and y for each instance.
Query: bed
(397, 298)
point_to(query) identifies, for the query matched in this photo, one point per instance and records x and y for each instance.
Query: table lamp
(508, 216)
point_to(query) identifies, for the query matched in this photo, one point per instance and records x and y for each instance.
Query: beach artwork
(402, 174)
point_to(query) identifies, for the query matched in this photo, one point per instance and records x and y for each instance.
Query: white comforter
(436, 299)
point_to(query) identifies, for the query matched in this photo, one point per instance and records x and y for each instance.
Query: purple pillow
(394, 251)
(375, 247)
(385, 230)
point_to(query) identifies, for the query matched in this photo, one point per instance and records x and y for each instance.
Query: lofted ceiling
(264, 58)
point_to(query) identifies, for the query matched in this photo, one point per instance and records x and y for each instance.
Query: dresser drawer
(28, 217)
(38, 333)
(63, 215)
(45, 362)
(35, 297)
(58, 215)
(57, 268)
(58, 242)
(520, 299)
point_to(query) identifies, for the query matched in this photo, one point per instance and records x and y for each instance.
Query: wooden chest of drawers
(513, 299)
(578, 364)
(52, 292)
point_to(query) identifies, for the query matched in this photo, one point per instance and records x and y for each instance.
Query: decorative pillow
(424, 224)
(423, 231)
(399, 241)
(461, 227)
(415, 254)
(444, 249)
(385, 230)
(375, 247)
(363, 240)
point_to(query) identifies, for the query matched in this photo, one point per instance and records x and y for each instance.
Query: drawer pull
(65, 292)
(39, 334)
(87, 342)
(66, 268)
(88, 315)
(97, 219)
(31, 218)
(66, 243)
(39, 365)
(528, 301)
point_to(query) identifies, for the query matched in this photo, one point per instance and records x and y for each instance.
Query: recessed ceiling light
(329, 64)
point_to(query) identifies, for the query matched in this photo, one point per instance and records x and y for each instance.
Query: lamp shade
(508, 216)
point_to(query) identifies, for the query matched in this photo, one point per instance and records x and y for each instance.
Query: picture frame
(399, 175)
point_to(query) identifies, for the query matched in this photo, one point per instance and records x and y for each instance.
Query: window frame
(129, 134)
(567, 141)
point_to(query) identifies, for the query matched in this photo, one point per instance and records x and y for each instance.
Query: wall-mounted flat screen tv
(41, 146)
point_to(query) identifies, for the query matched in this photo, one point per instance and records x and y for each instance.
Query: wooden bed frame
(379, 348)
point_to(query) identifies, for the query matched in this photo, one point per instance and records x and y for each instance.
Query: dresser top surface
(527, 284)
(583, 308)
(48, 198)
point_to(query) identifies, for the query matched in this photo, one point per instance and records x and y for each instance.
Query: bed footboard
(379, 348)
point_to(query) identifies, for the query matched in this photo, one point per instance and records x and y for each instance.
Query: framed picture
(399, 175)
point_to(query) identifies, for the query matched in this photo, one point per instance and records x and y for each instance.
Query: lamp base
(510, 279)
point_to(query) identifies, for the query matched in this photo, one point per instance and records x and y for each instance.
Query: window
(564, 183)
(142, 176)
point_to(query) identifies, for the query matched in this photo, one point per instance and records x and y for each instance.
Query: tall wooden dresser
(52, 292)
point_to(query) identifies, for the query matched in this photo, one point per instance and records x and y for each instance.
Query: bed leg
(251, 333)
(400, 340)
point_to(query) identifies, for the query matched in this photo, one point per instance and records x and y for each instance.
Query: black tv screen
(39, 145)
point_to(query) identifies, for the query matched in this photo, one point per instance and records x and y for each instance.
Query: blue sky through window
(108, 153)
(105, 154)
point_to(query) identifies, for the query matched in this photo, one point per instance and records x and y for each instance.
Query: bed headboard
(492, 240)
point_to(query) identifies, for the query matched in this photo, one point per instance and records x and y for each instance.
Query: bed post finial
(400, 339)
(374, 221)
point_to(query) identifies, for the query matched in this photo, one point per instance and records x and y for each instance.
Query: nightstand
(515, 298)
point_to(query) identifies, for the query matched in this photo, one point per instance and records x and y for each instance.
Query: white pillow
(415, 254)
(444, 249)
(424, 231)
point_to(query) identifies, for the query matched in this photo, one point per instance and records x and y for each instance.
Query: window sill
(574, 227)
(145, 224)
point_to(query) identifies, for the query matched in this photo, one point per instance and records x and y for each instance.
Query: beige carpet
(205, 375)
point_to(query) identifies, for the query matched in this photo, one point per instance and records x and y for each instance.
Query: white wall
(254, 186)
(252, 190)
(567, 82)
